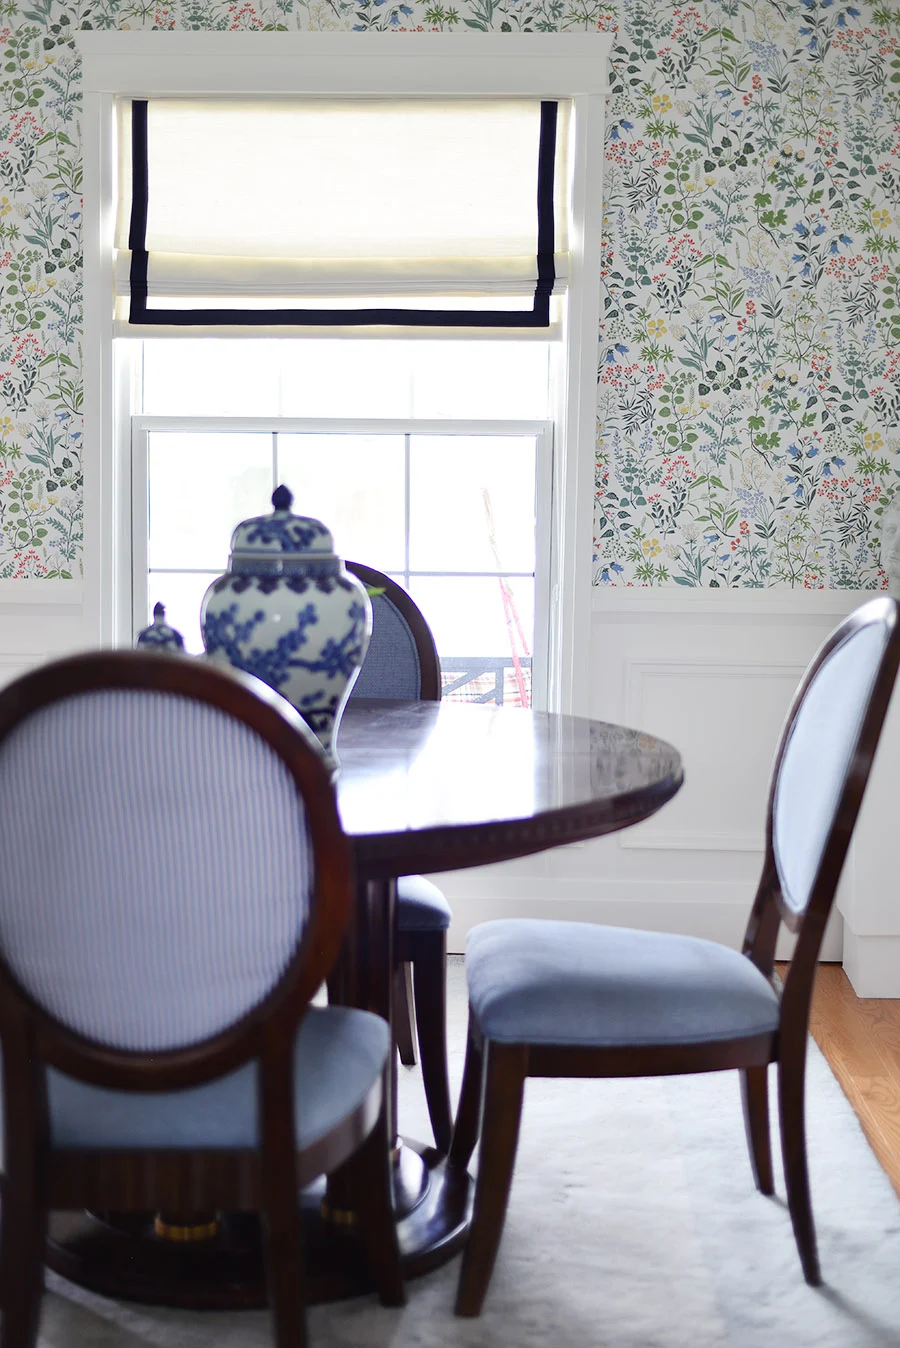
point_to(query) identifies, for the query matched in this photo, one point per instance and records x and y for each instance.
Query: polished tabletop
(430, 786)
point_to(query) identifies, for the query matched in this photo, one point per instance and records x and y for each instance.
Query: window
(548, 68)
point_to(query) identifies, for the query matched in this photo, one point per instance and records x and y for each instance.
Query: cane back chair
(402, 662)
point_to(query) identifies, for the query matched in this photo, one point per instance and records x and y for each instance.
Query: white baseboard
(872, 963)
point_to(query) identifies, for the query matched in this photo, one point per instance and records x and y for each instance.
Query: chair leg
(22, 1239)
(402, 1014)
(792, 1114)
(375, 1210)
(430, 989)
(467, 1128)
(755, 1097)
(279, 1206)
(506, 1070)
(286, 1270)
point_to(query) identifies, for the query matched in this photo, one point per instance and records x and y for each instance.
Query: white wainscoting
(39, 620)
(714, 673)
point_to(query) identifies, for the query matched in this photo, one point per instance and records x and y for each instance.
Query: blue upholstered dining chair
(174, 889)
(559, 999)
(402, 662)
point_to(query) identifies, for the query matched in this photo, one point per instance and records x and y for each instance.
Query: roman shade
(415, 212)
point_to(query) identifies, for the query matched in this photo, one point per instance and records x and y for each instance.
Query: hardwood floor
(861, 1040)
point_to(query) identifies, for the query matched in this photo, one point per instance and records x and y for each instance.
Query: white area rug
(633, 1223)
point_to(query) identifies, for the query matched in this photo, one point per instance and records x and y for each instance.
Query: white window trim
(140, 64)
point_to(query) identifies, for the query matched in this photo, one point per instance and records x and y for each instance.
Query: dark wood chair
(402, 662)
(557, 999)
(175, 887)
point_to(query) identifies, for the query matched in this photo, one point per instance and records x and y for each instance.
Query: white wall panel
(720, 715)
(42, 625)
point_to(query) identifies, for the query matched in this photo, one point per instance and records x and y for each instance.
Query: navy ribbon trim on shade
(537, 317)
(137, 232)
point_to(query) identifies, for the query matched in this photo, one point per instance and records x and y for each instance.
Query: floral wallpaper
(748, 389)
(748, 393)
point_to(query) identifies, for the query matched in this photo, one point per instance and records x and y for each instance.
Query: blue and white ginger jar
(160, 636)
(287, 612)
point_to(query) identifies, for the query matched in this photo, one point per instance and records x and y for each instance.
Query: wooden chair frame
(495, 1073)
(40, 1177)
(420, 974)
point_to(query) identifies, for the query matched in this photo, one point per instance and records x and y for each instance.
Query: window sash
(144, 426)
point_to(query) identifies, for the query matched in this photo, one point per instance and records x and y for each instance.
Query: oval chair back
(158, 823)
(820, 772)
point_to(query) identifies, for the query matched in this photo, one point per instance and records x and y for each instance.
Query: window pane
(484, 632)
(480, 379)
(472, 503)
(306, 377)
(201, 485)
(211, 377)
(354, 485)
(344, 378)
(182, 595)
(470, 617)
(506, 683)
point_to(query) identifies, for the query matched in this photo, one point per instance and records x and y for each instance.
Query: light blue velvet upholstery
(540, 982)
(339, 1053)
(155, 866)
(420, 905)
(391, 667)
(815, 763)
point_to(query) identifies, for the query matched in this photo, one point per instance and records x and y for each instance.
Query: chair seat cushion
(421, 906)
(339, 1053)
(573, 983)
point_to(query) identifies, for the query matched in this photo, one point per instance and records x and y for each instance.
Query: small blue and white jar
(287, 612)
(160, 636)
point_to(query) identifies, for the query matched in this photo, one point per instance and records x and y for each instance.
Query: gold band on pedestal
(338, 1216)
(179, 1229)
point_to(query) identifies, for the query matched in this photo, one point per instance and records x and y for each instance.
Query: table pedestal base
(122, 1257)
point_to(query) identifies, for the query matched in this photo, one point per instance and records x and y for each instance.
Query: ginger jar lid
(275, 542)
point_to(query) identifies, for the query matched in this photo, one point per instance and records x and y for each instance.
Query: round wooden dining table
(422, 786)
